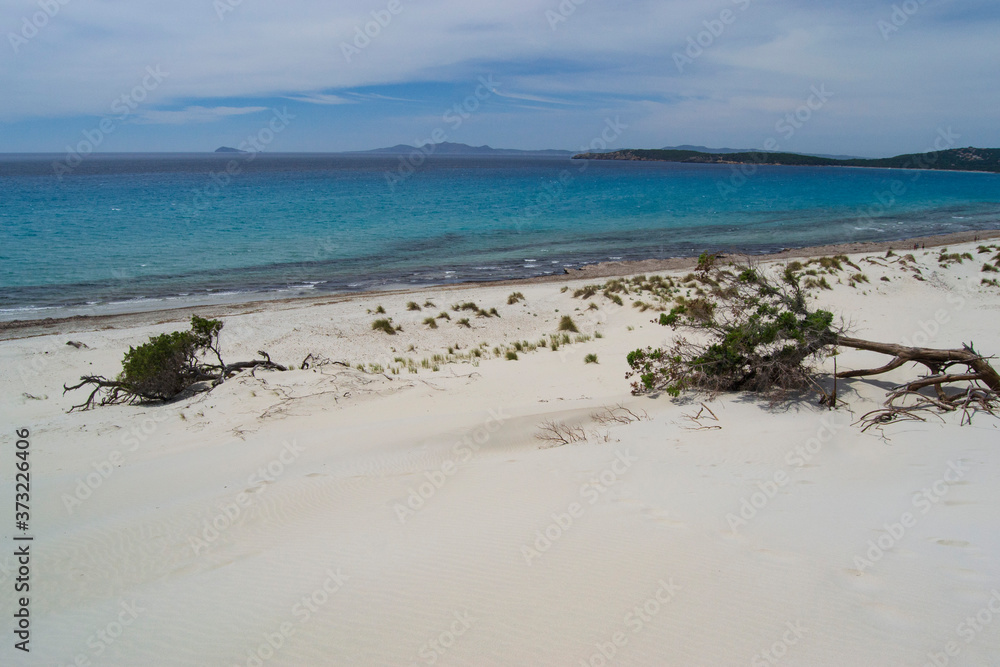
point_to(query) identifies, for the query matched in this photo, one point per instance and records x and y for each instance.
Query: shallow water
(132, 228)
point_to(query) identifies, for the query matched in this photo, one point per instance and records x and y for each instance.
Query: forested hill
(959, 159)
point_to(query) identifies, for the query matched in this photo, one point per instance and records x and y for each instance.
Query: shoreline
(29, 328)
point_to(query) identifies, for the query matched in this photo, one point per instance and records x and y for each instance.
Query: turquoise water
(134, 228)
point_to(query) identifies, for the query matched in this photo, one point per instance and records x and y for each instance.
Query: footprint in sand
(953, 543)
(657, 514)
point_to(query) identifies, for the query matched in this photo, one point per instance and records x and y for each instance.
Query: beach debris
(314, 360)
(619, 414)
(557, 434)
(77, 344)
(979, 383)
(700, 415)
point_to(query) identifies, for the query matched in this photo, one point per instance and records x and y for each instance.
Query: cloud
(604, 59)
(319, 98)
(194, 114)
(531, 98)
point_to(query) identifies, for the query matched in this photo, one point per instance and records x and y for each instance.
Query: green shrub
(762, 345)
(590, 359)
(413, 305)
(511, 355)
(168, 363)
(706, 262)
(431, 322)
(514, 298)
(161, 368)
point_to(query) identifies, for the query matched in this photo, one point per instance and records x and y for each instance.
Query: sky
(851, 77)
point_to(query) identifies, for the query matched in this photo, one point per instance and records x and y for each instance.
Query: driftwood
(979, 388)
(936, 360)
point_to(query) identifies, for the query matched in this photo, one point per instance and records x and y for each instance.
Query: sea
(128, 232)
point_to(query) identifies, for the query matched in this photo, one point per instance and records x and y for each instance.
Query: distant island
(449, 148)
(228, 149)
(956, 159)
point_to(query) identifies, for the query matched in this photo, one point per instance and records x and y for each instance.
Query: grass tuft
(567, 324)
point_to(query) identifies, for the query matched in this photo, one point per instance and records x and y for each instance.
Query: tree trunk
(936, 360)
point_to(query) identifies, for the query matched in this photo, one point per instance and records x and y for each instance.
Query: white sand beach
(337, 516)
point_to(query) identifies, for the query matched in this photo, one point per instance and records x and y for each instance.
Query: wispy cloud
(321, 98)
(194, 114)
(532, 98)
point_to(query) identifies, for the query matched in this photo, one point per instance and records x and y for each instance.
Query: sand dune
(343, 516)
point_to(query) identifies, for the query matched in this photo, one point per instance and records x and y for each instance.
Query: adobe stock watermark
(87, 485)
(562, 12)
(31, 25)
(794, 631)
(592, 491)
(255, 143)
(786, 127)
(105, 637)
(122, 107)
(705, 39)
(635, 620)
(453, 118)
(555, 189)
(886, 199)
(301, 612)
(31, 370)
(900, 15)
(223, 7)
(922, 501)
(437, 646)
(973, 626)
(462, 452)
(929, 329)
(363, 35)
(795, 458)
(231, 512)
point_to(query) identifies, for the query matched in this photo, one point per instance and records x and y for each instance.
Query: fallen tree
(165, 366)
(761, 336)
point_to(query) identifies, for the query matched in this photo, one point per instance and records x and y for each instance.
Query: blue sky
(191, 75)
